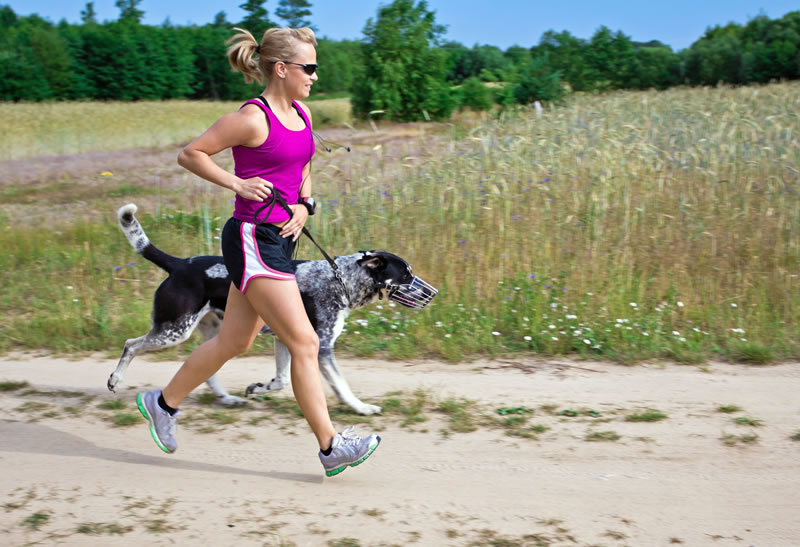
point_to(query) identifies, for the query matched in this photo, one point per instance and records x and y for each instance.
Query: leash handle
(277, 197)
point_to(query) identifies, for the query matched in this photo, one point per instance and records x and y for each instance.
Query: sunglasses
(309, 69)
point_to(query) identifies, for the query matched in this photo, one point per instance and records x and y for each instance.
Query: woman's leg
(239, 328)
(279, 304)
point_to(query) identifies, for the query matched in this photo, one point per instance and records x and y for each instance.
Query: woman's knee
(305, 345)
(234, 344)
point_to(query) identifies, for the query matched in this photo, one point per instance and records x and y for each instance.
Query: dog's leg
(209, 327)
(330, 370)
(152, 341)
(283, 361)
(163, 336)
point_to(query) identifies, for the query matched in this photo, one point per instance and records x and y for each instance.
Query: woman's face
(297, 81)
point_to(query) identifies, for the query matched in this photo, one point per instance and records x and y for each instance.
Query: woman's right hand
(256, 188)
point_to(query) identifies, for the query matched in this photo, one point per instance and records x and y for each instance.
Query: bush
(475, 95)
(538, 81)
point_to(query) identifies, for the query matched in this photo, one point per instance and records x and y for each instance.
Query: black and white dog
(193, 297)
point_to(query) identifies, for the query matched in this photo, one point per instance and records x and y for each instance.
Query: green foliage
(340, 64)
(399, 67)
(295, 12)
(475, 95)
(257, 19)
(538, 81)
(405, 73)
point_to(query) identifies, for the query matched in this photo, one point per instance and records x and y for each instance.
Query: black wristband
(309, 204)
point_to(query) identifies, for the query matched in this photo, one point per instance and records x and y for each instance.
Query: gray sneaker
(348, 449)
(162, 424)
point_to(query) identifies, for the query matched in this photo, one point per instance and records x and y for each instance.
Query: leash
(275, 196)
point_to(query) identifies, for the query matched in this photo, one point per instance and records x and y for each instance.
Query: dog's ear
(372, 261)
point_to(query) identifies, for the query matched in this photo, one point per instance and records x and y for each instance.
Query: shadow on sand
(33, 438)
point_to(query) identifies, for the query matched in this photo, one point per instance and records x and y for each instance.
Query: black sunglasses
(309, 69)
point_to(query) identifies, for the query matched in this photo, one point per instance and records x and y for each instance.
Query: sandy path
(660, 484)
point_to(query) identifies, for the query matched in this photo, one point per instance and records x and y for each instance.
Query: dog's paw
(232, 400)
(260, 388)
(113, 380)
(367, 410)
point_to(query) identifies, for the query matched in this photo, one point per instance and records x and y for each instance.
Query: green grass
(206, 398)
(744, 420)
(602, 436)
(649, 415)
(223, 418)
(796, 436)
(125, 419)
(409, 408)
(733, 440)
(459, 413)
(112, 404)
(36, 520)
(628, 226)
(729, 409)
(12, 386)
(102, 529)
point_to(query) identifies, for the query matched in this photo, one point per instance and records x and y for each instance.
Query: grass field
(632, 225)
(36, 129)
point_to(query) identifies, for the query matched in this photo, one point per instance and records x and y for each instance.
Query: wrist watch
(309, 203)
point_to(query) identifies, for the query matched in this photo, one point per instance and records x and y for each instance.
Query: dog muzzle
(415, 295)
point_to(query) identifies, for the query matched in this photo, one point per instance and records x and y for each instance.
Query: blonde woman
(272, 145)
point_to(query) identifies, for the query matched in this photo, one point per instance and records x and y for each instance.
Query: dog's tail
(139, 240)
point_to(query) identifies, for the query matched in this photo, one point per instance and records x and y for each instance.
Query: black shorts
(256, 250)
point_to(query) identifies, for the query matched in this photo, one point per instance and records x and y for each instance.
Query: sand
(71, 477)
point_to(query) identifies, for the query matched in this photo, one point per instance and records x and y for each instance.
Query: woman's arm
(245, 127)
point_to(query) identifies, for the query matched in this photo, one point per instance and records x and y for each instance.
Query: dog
(194, 294)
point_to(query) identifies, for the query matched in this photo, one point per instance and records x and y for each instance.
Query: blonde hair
(278, 44)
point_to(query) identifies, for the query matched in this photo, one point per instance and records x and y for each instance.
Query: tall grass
(51, 129)
(632, 225)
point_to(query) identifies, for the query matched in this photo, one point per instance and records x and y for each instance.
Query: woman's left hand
(294, 227)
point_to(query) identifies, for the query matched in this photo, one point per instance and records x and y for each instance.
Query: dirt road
(251, 477)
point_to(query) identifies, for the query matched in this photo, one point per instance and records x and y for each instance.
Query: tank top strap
(302, 114)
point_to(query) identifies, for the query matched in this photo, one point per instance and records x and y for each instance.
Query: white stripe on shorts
(253, 265)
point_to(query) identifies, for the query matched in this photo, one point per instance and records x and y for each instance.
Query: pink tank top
(280, 160)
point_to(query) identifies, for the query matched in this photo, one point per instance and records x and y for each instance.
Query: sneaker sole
(338, 470)
(143, 410)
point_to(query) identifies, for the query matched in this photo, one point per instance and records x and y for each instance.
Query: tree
(220, 20)
(128, 10)
(88, 15)
(611, 59)
(257, 18)
(538, 81)
(405, 74)
(569, 55)
(475, 95)
(294, 12)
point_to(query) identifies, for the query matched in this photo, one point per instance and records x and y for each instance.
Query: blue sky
(502, 23)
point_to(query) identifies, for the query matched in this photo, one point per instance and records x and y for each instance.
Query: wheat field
(629, 225)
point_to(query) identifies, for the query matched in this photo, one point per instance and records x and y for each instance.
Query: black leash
(275, 196)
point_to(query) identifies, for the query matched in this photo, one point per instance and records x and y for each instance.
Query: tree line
(401, 66)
